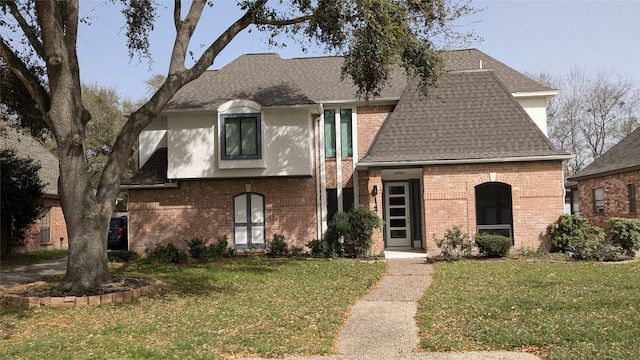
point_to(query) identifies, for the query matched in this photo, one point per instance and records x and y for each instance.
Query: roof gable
(470, 116)
(622, 157)
(26, 146)
(272, 81)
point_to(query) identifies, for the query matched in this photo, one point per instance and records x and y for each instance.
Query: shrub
(625, 233)
(198, 249)
(278, 246)
(122, 256)
(168, 253)
(493, 246)
(454, 243)
(350, 233)
(574, 235)
(221, 248)
(316, 247)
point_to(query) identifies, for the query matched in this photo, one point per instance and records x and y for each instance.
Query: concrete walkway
(32, 273)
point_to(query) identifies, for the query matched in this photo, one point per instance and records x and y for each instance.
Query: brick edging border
(71, 301)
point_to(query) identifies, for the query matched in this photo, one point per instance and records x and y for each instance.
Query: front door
(397, 214)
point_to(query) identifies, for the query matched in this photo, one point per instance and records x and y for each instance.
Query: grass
(555, 310)
(33, 257)
(241, 307)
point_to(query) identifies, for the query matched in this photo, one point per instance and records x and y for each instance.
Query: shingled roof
(27, 147)
(153, 172)
(622, 157)
(471, 116)
(272, 81)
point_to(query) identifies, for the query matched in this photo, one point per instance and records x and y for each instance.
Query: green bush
(122, 256)
(454, 244)
(493, 246)
(316, 247)
(350, 233)
(221, 248)
(278, 246)
(626, 234)
(574, 235)
(168, 253)
(198, 249)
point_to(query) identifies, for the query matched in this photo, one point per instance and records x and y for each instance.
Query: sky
(529, 36)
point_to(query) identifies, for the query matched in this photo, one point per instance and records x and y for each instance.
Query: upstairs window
(598, 201)
(241, 136)
(330, 134)
(632, 198)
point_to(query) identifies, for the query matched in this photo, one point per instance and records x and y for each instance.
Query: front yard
(240, 307)
(555, 310)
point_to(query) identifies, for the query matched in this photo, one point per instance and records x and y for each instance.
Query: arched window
(494, 209)
(248, 221)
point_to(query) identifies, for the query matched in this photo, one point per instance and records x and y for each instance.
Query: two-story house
(268, 146)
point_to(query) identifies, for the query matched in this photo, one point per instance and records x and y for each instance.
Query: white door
(397, 214)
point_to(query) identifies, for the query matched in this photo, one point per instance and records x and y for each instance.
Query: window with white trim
(241, 136)
(598, 201)
(248, 221)
(346, 133)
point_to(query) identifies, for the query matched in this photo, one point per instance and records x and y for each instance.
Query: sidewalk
(32, 273)
(382, 324)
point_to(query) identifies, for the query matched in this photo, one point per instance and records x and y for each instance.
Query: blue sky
(530, 36)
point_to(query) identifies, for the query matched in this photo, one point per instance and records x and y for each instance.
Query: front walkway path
(382, 324)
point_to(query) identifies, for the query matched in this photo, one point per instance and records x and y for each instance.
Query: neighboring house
(268, 146)
(50, 227)
(608, 186)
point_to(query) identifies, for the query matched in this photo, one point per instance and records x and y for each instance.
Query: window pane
(396, 200)
(396, 190)
(240, 203)
(232, 137)
(632, 198)
(257, 235)
(598, 200)
(398, 223)
(257, 209)
(241, 235)
(249, 139)
(346, 139)
(398, 233)
(329, 133)
(397, 212)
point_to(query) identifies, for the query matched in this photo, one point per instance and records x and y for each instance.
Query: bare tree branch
(29, 31)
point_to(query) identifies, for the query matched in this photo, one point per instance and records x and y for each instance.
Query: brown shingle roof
(27, 147)
(153, 172)
(622, 157)
(470, 116)
(272, 81)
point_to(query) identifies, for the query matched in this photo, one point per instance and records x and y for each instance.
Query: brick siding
(57, 230)
(204, 209)
(616, 197)
(449, 198)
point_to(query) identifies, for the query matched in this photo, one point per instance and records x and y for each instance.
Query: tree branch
(30, 81)
(177, 5)
(184, 31)
(29, 31)
(285, 22)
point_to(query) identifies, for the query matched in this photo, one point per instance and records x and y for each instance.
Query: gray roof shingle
(622, 157)
(272, 81)
(469, 116)
(153, 172)
(27, 147)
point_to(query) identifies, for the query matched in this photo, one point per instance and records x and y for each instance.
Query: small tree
(20, 200)
(354, 229)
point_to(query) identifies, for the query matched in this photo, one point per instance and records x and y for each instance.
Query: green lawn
(556, 310)
(33, 257)
(240, 307)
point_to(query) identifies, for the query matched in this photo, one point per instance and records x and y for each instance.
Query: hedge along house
(270, 146)
(608, 186)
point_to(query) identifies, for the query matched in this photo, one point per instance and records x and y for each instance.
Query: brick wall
(449, 198)
(616, 197)
(204, 209)
(57, 230)
(370, 119)
(367, 179)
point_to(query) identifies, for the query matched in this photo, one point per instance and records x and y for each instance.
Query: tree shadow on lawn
(205, 279)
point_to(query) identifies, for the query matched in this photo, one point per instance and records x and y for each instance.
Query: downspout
(337, 122)
(355, 157)
(322, 185)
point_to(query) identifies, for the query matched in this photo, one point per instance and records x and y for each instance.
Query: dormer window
(241, 136)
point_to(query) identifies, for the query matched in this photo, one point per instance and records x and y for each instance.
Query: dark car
(118, 239)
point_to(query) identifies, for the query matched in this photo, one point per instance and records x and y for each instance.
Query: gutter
(604, 173)
(171, 185)
(366, 164)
